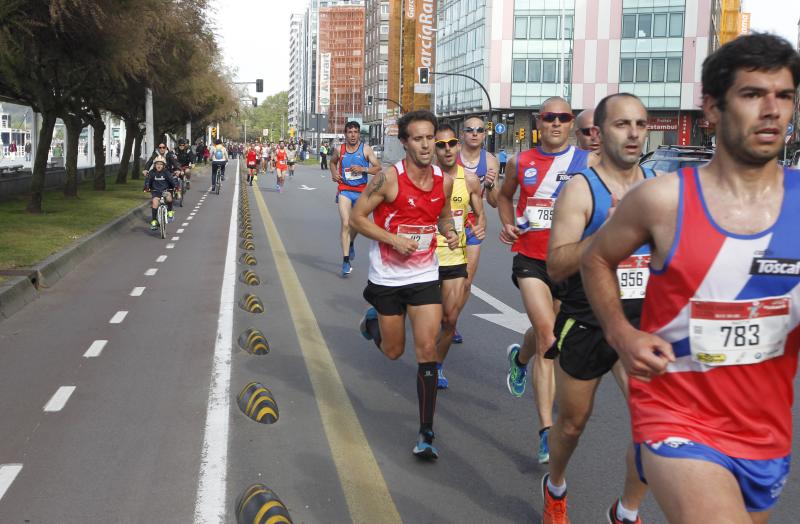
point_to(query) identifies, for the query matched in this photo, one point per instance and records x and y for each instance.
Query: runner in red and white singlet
(252, 163)
(408, 201)
(280, 166)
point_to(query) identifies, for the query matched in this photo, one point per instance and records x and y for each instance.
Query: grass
(26, 239)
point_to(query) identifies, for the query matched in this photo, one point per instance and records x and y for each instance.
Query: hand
(452, 239)
(404, 246)
(509, 234)
(643, 354)
(478, 231)
(491, 176)
(144, 172)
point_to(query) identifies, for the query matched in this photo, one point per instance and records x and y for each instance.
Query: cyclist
(185, 158)
(159, 181)
(219, 157)
(172, 161)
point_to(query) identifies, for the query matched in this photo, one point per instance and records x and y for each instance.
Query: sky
(774, 16)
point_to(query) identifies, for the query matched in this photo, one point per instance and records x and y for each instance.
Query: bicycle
(216, 176)
(161, 215)
(179, 191)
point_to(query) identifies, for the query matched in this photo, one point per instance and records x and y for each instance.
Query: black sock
(374, 329)
(155, 213)
(426, 393)
(517, 362)
(346, 259)
(169, 206)
(546, 428)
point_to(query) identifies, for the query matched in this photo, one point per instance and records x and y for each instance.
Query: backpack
(219, 155)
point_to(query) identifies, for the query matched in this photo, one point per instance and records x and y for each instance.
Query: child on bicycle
(159, 181)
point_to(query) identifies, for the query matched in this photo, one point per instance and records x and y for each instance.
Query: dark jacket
(172, 161)
(159, 182)
(185, 157)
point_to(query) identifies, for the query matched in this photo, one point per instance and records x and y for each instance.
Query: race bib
(349, 175)
(422, 235)
(632, 275)
(458, 220)
(738, 332)
(539, 212)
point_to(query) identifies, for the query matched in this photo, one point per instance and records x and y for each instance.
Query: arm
(476, 203)
(149, 162)
(445, 224)
(572, 213)
(637, 220)
(490, 182)
(333, 165)
(505, 204)
(374, 164)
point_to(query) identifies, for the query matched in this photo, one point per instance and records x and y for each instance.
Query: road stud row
(257, 402)
(260, 505)
(249, 245)
(254, 342)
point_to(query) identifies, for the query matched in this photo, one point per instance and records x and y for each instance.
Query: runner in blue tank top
(584, 204)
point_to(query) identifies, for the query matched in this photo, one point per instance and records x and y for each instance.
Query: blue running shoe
(516, 374)
(369, 314)
(544, 447)
(352, 253)
(424, 448)
(441, 380)
(457, 338)
(346, 269)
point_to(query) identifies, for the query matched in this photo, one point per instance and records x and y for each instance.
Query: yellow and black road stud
(250, 278)
(254, 342)
(247, 234)
(260, 505)
(257, 402)
(251, 304)
(248, 245)
(248, 259)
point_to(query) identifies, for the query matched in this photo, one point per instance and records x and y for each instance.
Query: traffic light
(521, 134)
(535, 136)
(489, 128)
(423, 75)
(255, 101)
(214, 132)
(369, 100)
(259, 85)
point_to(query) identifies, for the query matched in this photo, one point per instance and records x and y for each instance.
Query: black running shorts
(526, 267)
(393, 300)
(451, 272)
(583, 352)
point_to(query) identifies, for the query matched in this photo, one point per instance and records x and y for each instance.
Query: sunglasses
(453, 142)
(474, 130)
(586, 131)
(551, 117)
(162, 147)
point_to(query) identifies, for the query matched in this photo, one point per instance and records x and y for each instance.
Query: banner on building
(745, 30)
(662, 123)
(324, 82)
(684, 129)
(424, 41)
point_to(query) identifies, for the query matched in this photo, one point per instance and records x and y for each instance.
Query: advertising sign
(324, 82)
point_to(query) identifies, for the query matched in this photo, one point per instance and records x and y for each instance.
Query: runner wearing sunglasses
(585, 133)
(538, 174)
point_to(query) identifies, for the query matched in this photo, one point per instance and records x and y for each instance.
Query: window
(521, 27)
(642, 70)
(534, 71)
(568, 23)
(676, 24)
(383, 68)
(384, 29)
(660, 25)
(626, 70)
(673, 70)
(536, 28)
(644, 30)
(657, 70)
(384, 9)
(629, 26)
(550, 27)
(549, 71)
(518, 74)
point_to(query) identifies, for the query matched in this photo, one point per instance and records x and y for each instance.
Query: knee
(449, 320)
(426, 352)
(392, 350)
(571, 426)
(544, 338)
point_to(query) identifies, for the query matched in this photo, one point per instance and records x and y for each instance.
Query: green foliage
(266, 116)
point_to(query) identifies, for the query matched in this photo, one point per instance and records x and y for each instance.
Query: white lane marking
(95, 349)
(137, 291)
(150, 272)
(170, 246)
(8, 472)
(507, 317)
(161, 258)
(179, 231)
(190, 218)
(185, 224)
(59, 399)
(192, 214)
(175, 239)
(118, 317)
(210, 505)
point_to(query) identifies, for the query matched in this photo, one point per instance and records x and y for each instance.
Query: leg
(393, 335)
(425, 323)
(453, 293)
(169, 200)
(345, 205)
(473, 257)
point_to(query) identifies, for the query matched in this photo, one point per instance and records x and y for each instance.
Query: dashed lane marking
(161, 258)
(175, 239)
(95, 349)
(170, 246)
(192, 214)
(59, 399)
(185, 224)
(179, 231)
(118, 317)
(189, 218)
(150, 272)
(137, 291)
(8, 472)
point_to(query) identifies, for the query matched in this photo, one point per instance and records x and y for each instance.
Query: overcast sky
(255, 34)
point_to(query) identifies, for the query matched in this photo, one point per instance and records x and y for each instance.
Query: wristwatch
(489, 186)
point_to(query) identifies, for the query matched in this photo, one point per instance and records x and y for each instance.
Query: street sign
(265, 132)
(500, 128)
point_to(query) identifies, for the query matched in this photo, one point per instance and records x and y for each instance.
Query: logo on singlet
(775, 267)
(411, 202)
(563, 177)
(529, 177)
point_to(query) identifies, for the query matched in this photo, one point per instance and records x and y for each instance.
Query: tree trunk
(99, 154)
(74, 127)
(137, 156)
(131, 130)
(40, 165)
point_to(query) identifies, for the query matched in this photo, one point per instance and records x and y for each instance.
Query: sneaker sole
(508, 375)
(425, 453)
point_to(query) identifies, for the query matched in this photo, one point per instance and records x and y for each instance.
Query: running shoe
(555, 508)
(424, 448)
(516, 374)
(352, 253)
(153, 225)
(457, 338)
(369, 314)
(346, 269)
(277, 187)
(611, 516)
(441, 380)
(544, 446)
(170, 215)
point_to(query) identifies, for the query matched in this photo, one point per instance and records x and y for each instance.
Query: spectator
(323, 157)
(28, 151)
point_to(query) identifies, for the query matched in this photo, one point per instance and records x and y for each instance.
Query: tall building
(376, 66)
(296, 68)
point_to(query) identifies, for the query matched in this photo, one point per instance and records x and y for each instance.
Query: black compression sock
(155, 213)
(426, 394)
(169, 206)
(346, 259)
(517, 362)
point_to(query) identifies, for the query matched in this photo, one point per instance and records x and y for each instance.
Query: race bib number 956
(632, 274)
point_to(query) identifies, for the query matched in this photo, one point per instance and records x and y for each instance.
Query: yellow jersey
(459, 204)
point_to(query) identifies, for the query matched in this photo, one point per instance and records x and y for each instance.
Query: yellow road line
(364, 487)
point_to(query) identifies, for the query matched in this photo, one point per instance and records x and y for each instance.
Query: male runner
(585, 133)
(408, 201)
(265, 152)
(712, 367)
(453, 262)
(584, 356)
(280, 166)
(252, 163)
(291, 158)
(538, 173)
(350, 166)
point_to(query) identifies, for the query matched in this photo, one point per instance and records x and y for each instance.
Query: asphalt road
(153, 412)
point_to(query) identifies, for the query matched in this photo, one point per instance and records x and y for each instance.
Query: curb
(20, 291)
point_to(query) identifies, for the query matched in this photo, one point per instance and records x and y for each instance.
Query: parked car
(669, 158)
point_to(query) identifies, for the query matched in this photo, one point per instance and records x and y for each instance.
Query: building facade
(297, 57)
(376, 66)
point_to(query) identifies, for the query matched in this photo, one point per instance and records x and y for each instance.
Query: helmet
(182, 142)
(160, 159)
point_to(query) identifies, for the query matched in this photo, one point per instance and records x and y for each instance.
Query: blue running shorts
(471, 239)
(352, 195)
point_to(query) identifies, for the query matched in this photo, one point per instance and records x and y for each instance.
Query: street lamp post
(488, 98)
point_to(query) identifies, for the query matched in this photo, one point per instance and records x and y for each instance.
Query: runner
(583, 354)
(350, 166)
(408, 201)
(712, 368)
(280, 166)
(291, 158)
(453, 263)
(265, 158)
(584, 131)
(252, 164)
(538, 173)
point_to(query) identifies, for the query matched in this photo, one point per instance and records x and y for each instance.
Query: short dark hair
(754, 52)
(601, 111)
(415, 116)
(445, 126)
(352, 125)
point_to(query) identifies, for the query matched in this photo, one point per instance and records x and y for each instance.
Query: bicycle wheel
(219, 184)
(162, 220)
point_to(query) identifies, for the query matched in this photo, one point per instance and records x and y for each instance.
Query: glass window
(384, 29)
(657, 70)
(550, 27)
(660, 25)
(642, 69)
(534, 70)
(521, 27)
(673, 70)
(535, 28)
(568, 27)
(384, 9)
(629, 26)
(568, 71)
(676, 24)
(548, 71)
(643, 28)
(626, 70)
(518, 75)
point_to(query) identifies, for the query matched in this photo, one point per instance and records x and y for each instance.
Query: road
(145, 426)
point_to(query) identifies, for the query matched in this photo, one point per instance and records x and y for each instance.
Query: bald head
(557, 102)
(587, 138)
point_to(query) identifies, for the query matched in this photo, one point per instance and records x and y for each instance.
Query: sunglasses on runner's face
(586, 131)
(474, 130)
(562, 117)
(453, 142)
